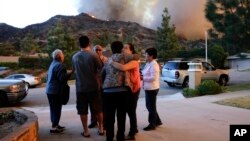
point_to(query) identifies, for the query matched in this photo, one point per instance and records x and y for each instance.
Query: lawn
(241, 102)
(238, 87)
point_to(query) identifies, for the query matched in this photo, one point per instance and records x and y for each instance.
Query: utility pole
(206, 44)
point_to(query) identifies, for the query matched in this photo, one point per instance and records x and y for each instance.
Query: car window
(171, 65)
(183, 66)
(19, 76)
(10, 77)
(208, 66)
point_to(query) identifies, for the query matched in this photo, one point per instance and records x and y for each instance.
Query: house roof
(241, 55)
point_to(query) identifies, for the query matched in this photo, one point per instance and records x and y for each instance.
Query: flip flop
(86, 136)
(100, 133)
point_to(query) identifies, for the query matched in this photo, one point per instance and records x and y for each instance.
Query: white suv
(176, 73)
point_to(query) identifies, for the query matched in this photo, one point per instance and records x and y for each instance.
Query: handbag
(65, 90)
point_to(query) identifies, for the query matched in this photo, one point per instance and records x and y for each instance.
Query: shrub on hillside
(209, 87)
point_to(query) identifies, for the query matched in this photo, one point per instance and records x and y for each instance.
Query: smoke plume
(187, 15)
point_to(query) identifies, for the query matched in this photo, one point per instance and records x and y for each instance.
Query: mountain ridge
(81, 24)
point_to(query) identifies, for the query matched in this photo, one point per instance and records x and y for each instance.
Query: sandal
(100, 133)
(56, 130)
(86, 136)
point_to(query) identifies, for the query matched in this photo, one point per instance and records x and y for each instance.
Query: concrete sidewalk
(192, 119)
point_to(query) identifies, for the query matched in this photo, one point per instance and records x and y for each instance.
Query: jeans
(55, 108)
(153, 117)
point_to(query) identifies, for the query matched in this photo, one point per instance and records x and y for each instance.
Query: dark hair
(152, 52)
(116, 47)
(131, 47)
(83, 41)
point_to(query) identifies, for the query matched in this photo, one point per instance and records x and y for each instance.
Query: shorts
(84, 99)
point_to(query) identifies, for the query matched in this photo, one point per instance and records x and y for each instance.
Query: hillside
(81, 24)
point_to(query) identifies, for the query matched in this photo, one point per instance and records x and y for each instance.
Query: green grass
(237, 87)
(244, 70)
(240, 102)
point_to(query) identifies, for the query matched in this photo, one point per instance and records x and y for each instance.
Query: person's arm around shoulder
(124, 67)
(129, 57)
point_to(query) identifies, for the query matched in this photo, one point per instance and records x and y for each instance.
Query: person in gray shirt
(87, 65)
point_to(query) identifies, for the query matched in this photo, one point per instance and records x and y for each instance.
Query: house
(239, 61)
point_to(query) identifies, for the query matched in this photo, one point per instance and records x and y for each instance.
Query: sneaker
(60, 127)
(130, 138)
(56, 130)
(133, 133)
(136, 131)
(92, 125)
(149, 127)
(159, 124)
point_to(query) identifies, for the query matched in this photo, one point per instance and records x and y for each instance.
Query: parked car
(4, 70)
(12, 91)
(176, 73)
(30, 80)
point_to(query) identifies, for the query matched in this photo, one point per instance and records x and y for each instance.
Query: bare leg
(100, 121)
(84, 119)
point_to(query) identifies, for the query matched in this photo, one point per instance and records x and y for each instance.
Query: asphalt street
(38, 98)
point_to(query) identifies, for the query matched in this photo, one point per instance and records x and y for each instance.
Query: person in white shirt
(151, 85)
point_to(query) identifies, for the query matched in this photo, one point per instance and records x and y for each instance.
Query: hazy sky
(20, 13)
(187, 15)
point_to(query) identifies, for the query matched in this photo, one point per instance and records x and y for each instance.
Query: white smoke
(187, 15)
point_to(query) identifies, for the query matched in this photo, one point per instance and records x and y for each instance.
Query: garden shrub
(209, 87)
(28, 62)
(10, 65)
(187, 92)
(34, 62)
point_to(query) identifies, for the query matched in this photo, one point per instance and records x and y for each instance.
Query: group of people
(110, 87)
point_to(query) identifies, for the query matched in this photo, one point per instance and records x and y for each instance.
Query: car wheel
(171, 84)
(185, 83)
(3, 99)
(223, 81)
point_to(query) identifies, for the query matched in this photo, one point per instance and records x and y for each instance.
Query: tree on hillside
(7, 49)
(59, 38)
(104, 39)
(231, 23)
(28, 45)
(167, 42)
